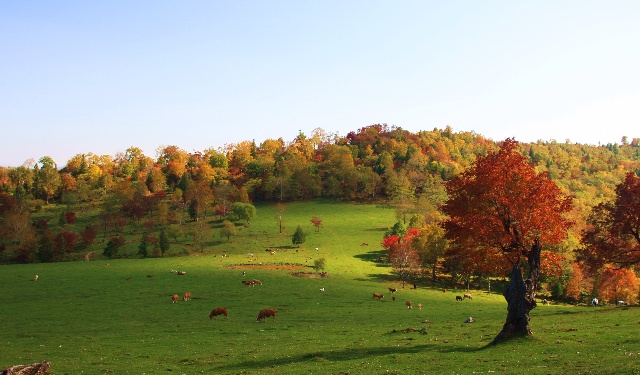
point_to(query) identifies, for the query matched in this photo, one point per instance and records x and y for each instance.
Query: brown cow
(265, 313)
(247, 282)
(218, 311)
(258, 282)
(409, 305)
(393, 290)
(467, 295)
(378, 295)
(420, 306)
(186, 296)
(174, 298)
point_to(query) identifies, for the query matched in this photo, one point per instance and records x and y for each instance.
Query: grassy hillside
(116, 316)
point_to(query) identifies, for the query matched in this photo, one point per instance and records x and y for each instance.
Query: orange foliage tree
(502, 206)
(618, 285)
(576, 285)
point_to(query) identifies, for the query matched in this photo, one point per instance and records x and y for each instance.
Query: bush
(319, 264)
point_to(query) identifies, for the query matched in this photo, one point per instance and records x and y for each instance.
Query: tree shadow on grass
(377, 256)
(346, 354)
(379, 277)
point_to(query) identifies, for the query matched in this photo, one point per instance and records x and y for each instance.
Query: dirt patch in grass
(310, 274)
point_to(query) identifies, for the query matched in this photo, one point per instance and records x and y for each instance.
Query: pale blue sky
(89, 76)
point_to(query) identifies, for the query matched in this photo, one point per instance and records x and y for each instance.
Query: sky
(80, 77)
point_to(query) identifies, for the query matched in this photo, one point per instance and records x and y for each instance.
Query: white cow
(594, 302)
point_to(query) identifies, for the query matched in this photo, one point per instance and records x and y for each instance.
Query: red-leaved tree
(500, 205)
(613, 234)
(316, 223)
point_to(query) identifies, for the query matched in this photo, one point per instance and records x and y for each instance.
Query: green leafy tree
(49, 180)
(244, 211)
(320, 264)
(298, 237)
(228, 229)
(398, 229)
(431, 245)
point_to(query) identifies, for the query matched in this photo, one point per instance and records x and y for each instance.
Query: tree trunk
(521, 297)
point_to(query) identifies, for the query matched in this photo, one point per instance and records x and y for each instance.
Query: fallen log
(32, 369)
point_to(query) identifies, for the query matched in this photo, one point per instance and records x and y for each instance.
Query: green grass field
(116, 316)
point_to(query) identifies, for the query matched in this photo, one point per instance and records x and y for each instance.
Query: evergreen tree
(143, 247)
(164, 242)
(45, 248)
(299, 236)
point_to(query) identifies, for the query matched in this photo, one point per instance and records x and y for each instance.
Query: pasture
(116, 317)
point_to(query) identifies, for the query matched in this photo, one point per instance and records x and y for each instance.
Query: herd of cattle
(270, 312)
(262, 315)
(409, 304)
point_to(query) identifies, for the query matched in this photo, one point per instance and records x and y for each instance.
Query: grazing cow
(181, 273)
(265, 313)
(218, 311)
(594, 302)
(469, 320)
(378, 295)
(247, 282)
(174, 298)
(258, 282)
(35, 278)
(621, 303)
(444, 290)
(393, 290)
(409, 305)
(420, 306)
(458, 298)
(467, 295)
(186, 296)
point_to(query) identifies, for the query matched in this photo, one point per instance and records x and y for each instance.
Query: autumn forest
(583, 201)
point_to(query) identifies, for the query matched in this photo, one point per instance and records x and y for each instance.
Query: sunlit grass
(116, 316)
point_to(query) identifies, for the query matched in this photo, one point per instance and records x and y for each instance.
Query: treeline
(374, 163)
